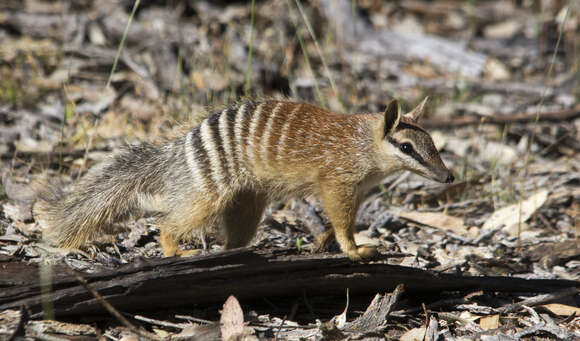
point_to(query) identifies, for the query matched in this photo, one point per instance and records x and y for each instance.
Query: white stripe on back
(284, 131)
(251, 149)
(268, 131)
(238, 127)
(224, 124)
(196, 174)
(210, 147)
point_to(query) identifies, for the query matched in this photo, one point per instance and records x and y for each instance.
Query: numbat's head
(405, 144)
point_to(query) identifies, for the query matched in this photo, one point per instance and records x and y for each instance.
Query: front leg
(341, 203)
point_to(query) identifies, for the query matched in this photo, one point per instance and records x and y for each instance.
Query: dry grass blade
(247, 85)
(320, 54)
(319, 96)
(122, 42)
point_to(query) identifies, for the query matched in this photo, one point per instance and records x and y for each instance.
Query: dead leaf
(562, 309)
(360, 238)
(516, 213)
(17, 190)
(437, 220)
(129, 338)
(200, 332)
(415, 334)
(232, 321)
(440, 140)
(489, 322)
(421, 70)
(495, 152)
(18, 212)
(502, 30)
(496, 70)
(209, 79)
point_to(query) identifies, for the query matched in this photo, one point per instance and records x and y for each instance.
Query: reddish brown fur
(225, 171)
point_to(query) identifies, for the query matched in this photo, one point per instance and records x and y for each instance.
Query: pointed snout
(450, 178)
(444, 176)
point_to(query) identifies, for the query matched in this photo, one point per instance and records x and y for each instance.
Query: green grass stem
(321, 100)
(247, 84)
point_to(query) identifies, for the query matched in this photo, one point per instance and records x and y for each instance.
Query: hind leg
(182, 224)
(241, 218)
(170, 245)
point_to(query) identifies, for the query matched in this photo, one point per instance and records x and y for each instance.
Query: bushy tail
(106, 195)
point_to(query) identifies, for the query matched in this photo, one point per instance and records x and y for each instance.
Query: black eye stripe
(412, 154)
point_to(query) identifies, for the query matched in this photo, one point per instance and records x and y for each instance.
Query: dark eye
(406, 148)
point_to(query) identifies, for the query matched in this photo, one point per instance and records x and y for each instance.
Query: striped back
(262, 141)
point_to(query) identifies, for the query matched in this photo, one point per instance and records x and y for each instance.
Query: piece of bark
(432, 329)
(248, 274)
(11, 323)
(377, 312)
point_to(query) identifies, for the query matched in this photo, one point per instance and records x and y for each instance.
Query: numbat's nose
(450, 178)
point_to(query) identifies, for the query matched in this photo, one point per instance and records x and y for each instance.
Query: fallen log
(246, 273)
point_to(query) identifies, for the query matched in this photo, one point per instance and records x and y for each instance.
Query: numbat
(225, 171)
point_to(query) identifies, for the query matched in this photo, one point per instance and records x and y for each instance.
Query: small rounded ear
(392, 117)
(416, 113)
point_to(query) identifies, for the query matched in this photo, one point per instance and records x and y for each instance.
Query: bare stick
(194, 319)
(522, 117)
(161, 323)
(540, 299)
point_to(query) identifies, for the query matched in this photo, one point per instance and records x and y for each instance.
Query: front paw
(362, 252)
(353, 255)
(367, 251)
